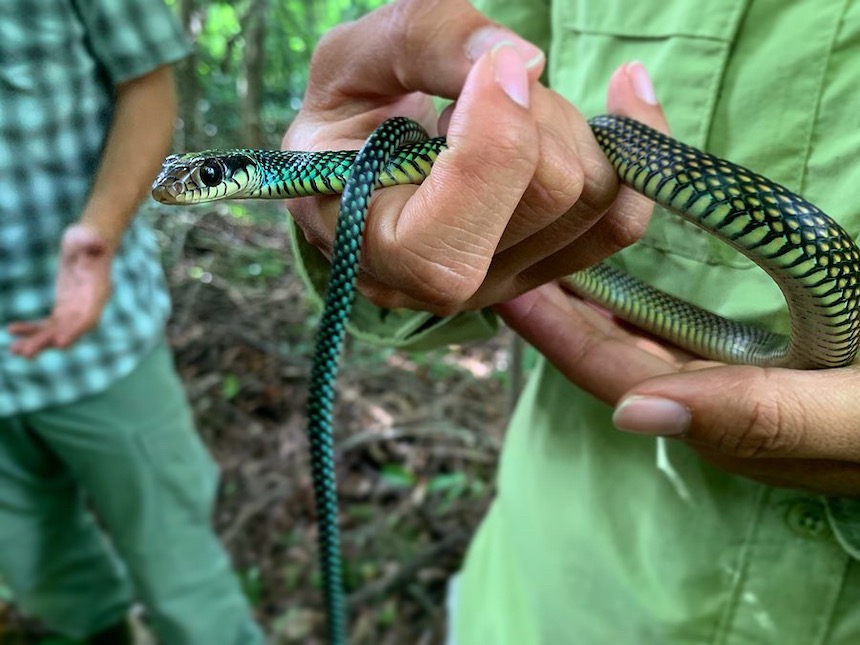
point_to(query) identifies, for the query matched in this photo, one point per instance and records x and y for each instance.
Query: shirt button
(808, 519)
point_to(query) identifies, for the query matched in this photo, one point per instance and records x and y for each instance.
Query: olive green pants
(130, 454)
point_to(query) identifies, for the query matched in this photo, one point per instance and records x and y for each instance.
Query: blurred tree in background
(246, 78)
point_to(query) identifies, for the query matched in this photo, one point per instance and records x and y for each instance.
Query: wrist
(85, 238)
(102, 226)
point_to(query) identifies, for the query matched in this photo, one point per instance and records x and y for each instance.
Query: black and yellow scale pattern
(813, 260)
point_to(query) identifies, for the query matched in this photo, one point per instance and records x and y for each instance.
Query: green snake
(812, 259)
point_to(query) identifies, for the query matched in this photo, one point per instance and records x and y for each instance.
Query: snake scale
(812, 259)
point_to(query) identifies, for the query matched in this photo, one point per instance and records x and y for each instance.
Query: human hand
(790, 428)
(522, 196)
(83, 288)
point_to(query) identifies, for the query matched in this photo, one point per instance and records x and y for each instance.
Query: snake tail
(339, 295)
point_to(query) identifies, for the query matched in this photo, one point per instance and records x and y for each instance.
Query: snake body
(811, 258)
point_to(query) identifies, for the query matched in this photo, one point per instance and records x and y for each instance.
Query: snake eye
(211, 174)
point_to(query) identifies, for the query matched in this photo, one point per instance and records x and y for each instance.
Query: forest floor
(417, 436)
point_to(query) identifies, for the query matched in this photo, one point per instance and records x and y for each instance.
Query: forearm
(138, 140)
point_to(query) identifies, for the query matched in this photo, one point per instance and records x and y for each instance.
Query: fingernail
(510, 72)
(641, 82)
(651, 415)
(486, 39)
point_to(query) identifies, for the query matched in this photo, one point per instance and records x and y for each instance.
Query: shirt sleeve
(130, 38)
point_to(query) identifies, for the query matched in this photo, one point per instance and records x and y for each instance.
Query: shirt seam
(622, 33)
(704, 132)
(744, 558)
(718, 79)
(828, 617)
(816, 110)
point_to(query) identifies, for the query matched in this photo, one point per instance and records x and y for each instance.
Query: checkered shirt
(60, 61)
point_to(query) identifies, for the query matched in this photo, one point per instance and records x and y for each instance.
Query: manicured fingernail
(641, 82)
(486, 39)
(651, 415)
(510, 72)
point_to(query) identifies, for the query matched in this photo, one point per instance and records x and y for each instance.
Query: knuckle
(513, 147)
(624, 214)
(770, 429)
(447, 285)
(435, 272)
(557, 186)
(600, 183)
(328, 51)
(380, 296)
(500, 174)
(623, 229)
(407, 31)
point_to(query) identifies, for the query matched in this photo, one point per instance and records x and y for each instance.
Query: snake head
(198, 177)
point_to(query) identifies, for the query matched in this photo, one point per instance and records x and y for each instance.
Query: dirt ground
(417, 437)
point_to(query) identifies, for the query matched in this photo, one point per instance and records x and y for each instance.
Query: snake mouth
(168, 192)
(175, 183)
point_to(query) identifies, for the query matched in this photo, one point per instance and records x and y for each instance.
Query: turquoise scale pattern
(281, 174)
(296, 174)
(339, 296)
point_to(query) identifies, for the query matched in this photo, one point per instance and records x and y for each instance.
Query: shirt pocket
(685, 48)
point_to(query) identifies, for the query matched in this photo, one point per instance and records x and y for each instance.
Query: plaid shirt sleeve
(130, 38)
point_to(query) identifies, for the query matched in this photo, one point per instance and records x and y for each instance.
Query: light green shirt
(597, 536)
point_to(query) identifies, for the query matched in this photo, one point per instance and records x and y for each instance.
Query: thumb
(631, 94)
(750, 412)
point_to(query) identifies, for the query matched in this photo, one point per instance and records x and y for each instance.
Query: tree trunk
(251, 82)
(190, 90)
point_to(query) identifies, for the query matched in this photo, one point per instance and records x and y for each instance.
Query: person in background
(643, 496)
(106, 491)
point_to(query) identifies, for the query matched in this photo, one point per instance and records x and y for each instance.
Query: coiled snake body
(811, 258)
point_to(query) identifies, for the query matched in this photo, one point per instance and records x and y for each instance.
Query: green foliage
(387, 614)
(252, 584)
(219, 30)
(220, 72)
(397, 476)
(230, 386)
